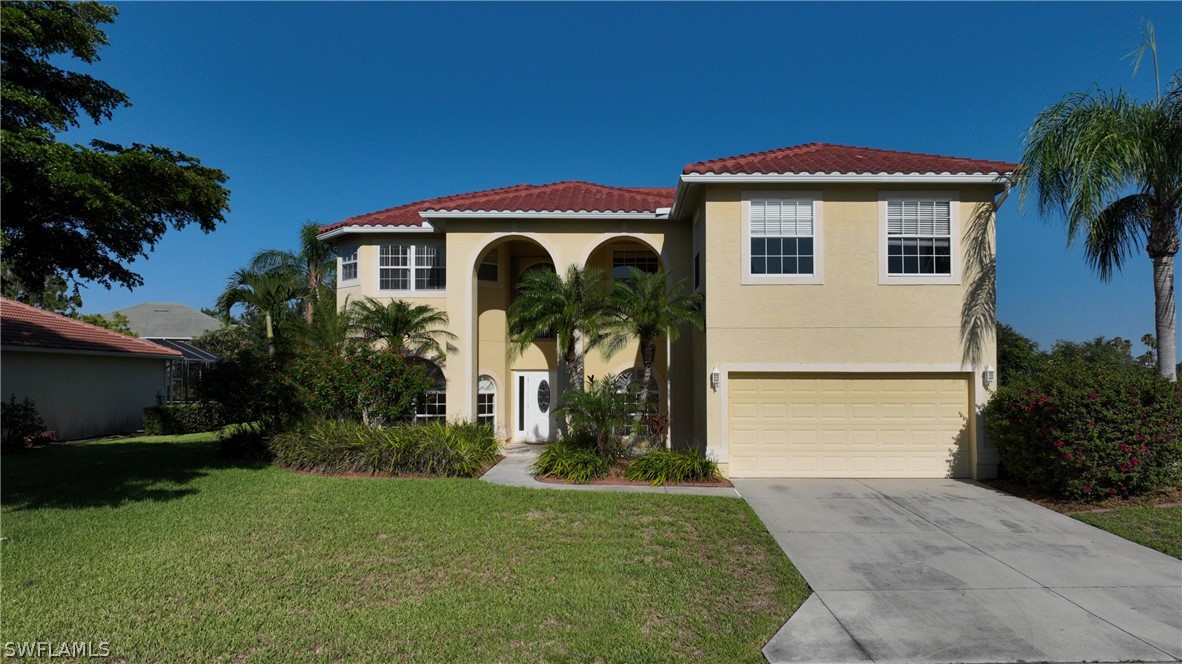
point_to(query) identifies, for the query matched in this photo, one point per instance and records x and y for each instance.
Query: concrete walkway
(513, 470)
(950, 571)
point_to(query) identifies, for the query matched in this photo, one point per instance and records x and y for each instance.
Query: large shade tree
(647, 308)
(411, 329)
(572, 308)
(1113, 166)
(82, 212)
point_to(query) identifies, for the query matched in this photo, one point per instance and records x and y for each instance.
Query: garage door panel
(866, 425)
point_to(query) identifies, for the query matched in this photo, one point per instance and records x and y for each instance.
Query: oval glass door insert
(544, 396)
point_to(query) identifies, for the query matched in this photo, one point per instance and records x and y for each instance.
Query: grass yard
(1156, 527)
(171, 554)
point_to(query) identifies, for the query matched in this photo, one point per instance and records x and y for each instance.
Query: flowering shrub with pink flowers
(1088, 431)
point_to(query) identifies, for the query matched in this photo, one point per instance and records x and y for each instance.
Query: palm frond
(1116, 233)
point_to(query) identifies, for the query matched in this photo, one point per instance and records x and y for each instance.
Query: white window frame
(413, 248)
(818, 275)
(479, 393)
(953, 200)
(350, 258)
(434, 398)
(500, 268)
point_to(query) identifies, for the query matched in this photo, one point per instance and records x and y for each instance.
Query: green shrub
(571, 459)
(252, 388)
(22, 425)
(244, 441)
(361, 384)
(183, 418)
(603, 411)
(672, 466)
(456, 449)
(1088, 430)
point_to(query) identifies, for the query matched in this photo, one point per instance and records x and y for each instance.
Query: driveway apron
(953, 571)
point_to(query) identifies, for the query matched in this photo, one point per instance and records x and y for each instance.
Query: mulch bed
(1161, 498)
(616, 477)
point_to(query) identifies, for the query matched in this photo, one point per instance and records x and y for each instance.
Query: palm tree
(412, 329)
(646, 308)
(1114, 167)
(565, 308)
(313, 265)
(268, 293)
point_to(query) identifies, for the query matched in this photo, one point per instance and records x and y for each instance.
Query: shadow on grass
(108, 474)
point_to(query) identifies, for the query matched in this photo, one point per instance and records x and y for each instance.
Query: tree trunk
(1165, 316)
(270, 336)
(648, 355)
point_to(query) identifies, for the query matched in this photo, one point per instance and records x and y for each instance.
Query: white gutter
(345, 230)
(822, 178)
(521, 214)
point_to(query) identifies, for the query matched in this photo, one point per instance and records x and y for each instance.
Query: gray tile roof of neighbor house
(168, 320)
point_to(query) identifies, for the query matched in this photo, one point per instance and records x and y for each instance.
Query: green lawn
(1156, 527)
(171, 554)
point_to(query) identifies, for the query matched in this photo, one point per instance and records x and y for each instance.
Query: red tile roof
(569, 196)
(826, 158)
(22, 326)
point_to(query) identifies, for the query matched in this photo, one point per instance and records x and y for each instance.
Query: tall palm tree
(313, 264)
(413, 329)
(646, 308)
(268, 293)
(568, 308)
(1114, 167)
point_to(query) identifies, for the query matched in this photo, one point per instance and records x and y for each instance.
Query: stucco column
(461, 310)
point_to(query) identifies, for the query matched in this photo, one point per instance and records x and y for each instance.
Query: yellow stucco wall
(847, 321)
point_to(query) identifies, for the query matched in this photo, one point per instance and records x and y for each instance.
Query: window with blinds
(782, 236)
(919, 237)
(412, 267)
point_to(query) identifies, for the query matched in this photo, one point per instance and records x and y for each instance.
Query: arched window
(433, 406)
(632, 377)
(486, 401)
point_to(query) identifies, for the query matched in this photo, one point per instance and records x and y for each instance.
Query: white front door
(533, 406)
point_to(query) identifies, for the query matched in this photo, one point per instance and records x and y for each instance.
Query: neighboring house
(833, 277)
(86, 381)
(168, 320)
(173, 325)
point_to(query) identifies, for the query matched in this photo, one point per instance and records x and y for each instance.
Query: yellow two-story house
(834, 281)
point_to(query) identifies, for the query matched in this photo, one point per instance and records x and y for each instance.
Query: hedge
(1087, 431)
(183, 418)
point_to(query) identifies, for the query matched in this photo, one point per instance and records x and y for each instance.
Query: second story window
(782, 239)
(349, 265)
(412, 267)
(919, 237)
(490, 268)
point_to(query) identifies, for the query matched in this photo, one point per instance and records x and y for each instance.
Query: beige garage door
(848, 425)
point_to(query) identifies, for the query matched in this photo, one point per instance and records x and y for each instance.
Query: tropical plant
(1114, 168)
(645, 307)
(361, 383)
(672, 467)
(570, 308)
(604, 411)
(314, 265)
(407, 329)
(570, 460)
(269, 293)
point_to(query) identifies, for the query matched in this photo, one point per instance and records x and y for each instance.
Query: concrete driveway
(952, 571)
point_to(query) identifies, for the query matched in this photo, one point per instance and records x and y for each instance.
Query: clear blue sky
(322, 111)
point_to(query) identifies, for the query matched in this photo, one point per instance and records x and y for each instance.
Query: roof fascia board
(798, 178)
(469, 214)
(345, 230)
(105, 353)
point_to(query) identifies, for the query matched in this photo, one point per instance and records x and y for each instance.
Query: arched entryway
(523, 409)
